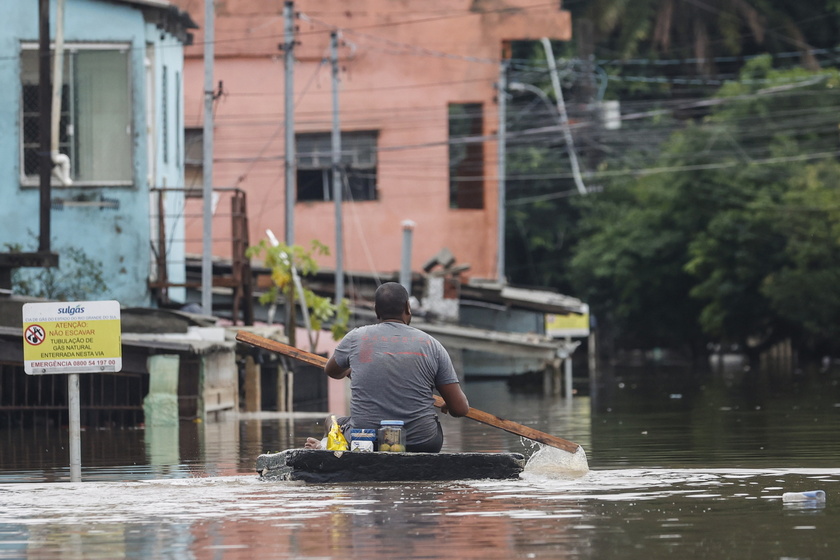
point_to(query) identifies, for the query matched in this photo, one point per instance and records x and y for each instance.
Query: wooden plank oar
(477, 415)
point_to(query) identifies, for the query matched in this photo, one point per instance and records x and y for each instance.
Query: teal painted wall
(118, 237)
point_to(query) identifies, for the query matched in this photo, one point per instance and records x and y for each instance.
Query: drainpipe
(405, 266)
(59, 160)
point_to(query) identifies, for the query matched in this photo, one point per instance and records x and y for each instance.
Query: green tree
(749, 251)
(285, 263)
(722, 228)
(702, 31)
(804, 290)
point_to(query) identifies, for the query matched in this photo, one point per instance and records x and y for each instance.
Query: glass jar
(392, 436)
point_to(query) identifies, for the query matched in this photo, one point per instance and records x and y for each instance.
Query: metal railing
(237, 276)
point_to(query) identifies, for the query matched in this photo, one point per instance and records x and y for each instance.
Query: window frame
(72, 49)
(355, 175)
(466, 153)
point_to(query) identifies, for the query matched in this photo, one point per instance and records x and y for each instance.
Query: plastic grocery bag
(335, 439)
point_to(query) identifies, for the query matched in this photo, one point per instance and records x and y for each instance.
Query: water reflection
(689, 470)
(626, 513)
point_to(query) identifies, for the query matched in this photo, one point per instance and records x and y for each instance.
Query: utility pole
(338, 185)
(501, 94)
(207, 163)
(289, 96)
(45, 124)
(291, 182)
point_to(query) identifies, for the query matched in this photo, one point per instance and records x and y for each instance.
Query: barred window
(194, 161)
(358, 166)
(95, 124)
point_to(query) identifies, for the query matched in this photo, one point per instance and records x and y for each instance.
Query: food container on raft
(362, 440)
(392, 436)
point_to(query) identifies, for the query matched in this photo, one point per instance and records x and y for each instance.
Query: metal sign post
(76, 337)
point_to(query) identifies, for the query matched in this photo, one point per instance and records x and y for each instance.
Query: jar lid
(391, 423)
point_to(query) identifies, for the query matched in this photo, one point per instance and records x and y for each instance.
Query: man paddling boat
(395, 369)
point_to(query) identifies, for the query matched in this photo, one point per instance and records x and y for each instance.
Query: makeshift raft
(318, 466)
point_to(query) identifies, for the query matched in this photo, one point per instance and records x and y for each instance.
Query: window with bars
(194, 161)
(358, 166)
(466, 155)
(95, 123)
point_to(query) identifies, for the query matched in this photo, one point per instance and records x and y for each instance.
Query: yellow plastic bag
(335, 439)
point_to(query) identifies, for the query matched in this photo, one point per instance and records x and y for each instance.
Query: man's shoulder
(360, 331)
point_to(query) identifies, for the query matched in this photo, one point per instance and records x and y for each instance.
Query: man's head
(391, 302)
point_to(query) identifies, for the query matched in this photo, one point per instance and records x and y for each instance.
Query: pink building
(417, 78)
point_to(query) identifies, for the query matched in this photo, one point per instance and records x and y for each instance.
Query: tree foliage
(286, 261)
(706, 32)
(733, 234)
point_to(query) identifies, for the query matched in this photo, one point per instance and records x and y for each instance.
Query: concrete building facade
(417, 111)
(120, 128)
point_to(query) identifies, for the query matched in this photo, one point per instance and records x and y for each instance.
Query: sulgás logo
(71, 310)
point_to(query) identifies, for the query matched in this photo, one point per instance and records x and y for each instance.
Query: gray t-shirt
(395, 368)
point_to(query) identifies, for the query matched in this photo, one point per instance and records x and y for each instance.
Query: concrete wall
(402, 63)
(117, 237)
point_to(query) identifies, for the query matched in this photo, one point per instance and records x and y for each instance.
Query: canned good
(362, 440)
(392, 436)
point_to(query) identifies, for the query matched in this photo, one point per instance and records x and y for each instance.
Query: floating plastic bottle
(810, 496)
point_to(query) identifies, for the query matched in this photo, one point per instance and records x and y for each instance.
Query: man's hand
(456, 401)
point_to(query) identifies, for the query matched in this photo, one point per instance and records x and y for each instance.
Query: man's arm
(334, 370)
(456, 401)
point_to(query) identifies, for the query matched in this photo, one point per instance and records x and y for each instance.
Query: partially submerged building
(117, 131)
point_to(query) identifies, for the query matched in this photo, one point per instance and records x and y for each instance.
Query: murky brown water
(679, 470)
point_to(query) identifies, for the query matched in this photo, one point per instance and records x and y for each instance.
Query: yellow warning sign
(573, 325)
(78, 337)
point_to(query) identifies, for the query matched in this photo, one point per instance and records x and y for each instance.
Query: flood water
(680, 467)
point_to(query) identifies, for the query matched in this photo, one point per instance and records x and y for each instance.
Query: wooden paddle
(477, 415)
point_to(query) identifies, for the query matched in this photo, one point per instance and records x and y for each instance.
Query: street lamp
(563, 120)
(520, 87)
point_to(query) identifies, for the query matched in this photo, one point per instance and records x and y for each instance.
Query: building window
(194, 161)
(466, 155)
(358, 166)
(95, 125)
